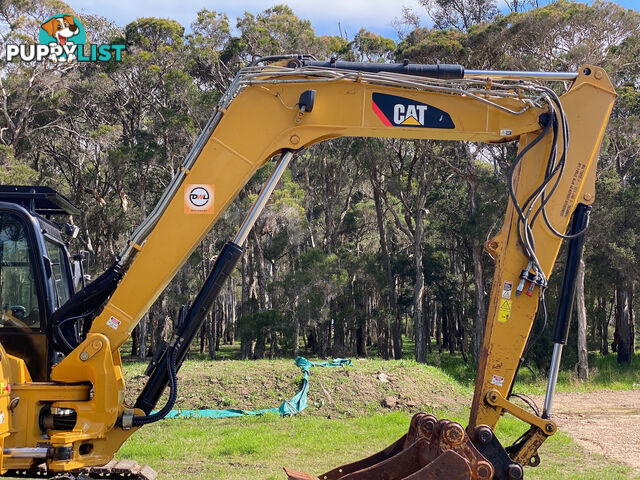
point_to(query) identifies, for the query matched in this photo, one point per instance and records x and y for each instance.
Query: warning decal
(497, 380)
(113, 322)
(505, 310)
(506, 290)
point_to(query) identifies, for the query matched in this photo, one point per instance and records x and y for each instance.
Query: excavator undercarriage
(114, 470)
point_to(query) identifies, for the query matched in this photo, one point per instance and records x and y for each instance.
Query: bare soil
(605, 422)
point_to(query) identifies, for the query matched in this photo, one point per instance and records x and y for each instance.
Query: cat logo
(409, 114)
(397, 111)
(198, 198)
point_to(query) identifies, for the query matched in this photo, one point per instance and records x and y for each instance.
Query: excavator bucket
(432, 449)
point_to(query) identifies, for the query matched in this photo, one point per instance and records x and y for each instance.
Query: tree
(213, 51)
(275, 31)
(370, 47)
(459, 14)
(583, 351)
(410, 174)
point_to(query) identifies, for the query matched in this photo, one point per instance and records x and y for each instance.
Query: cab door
(23, 291)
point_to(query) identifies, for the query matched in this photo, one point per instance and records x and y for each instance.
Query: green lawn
(345, 419)
(258, 448)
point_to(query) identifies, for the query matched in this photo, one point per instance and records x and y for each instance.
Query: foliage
(364, 240)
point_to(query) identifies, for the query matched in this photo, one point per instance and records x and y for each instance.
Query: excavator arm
(278, 109)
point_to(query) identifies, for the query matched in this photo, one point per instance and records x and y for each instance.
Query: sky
(375, 15)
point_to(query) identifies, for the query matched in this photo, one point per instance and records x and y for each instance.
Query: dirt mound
(367, 387)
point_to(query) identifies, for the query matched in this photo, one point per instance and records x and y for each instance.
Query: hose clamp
(127, 419)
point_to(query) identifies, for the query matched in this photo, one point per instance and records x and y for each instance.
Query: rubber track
(120, 470)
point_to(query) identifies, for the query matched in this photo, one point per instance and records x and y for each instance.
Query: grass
(345, 419)
(604, 373)
(258, 448)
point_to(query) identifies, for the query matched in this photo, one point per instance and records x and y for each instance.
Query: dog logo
(64, 31)
(62, 38)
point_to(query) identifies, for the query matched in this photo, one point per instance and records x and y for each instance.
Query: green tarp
(290, 407)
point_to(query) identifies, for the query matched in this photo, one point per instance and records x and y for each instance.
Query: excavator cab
(37, 275)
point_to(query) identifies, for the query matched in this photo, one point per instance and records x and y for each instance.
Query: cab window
(57, 256)
(18, 294)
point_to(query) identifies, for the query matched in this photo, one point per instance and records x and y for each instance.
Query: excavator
(62, 388)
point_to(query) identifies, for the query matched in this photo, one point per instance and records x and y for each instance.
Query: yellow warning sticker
(505, 310)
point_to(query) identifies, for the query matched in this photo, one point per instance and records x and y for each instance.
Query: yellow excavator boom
(278, 109)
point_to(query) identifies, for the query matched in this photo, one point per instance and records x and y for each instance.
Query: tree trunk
(453, 331)
(624, 323)
(583, 360)
(260, 344)
(245, 307)
(361, 338)
(445, 328)
(263, 295)
(338, 337)
(230, 326)
(392, 302)
(426, 313)
(247, 349)
(605, 318)
(211, 334)
(480, 316)
(418, 321)
(324, 338)
(462, 335)
(438, 327)
(134, 342)
(142, 338)
(296, 333)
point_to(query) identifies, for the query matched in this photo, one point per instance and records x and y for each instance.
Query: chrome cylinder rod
(553, 379)
(28, 452)
(515, 75)
(579, 222)
(263, 198)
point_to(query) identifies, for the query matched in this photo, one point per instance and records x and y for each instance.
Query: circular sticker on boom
(198, 198)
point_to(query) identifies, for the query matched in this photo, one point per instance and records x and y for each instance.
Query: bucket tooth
(295, 475)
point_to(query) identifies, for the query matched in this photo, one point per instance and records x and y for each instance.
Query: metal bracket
(495, 399)
(525, 451)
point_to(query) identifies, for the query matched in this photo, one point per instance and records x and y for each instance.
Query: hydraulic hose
(173, 394)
